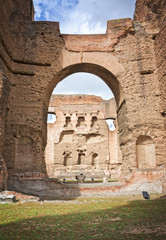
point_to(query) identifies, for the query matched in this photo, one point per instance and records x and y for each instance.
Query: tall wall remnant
(80, 142)
(130, 58)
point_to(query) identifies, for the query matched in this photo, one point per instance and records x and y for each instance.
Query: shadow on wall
(46, 189)
(4, 93)
(3, 175)
(86, 219)
(28, 177)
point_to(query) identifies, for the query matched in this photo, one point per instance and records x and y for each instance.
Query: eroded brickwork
(34, 57)
(152, 15)
(80, 142)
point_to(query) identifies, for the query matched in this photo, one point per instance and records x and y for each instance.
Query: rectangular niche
(81, 158)
(67, 136)
(145, 150)
(81, 122)
(25, 155)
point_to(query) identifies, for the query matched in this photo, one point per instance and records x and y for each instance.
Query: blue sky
(84, 83)
(83, 17)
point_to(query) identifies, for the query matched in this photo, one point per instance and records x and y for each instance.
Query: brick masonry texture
(130, 58)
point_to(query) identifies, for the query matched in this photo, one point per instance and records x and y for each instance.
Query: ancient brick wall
(26, 53)
(152, 13)
(80, 142)
(4, 92)
(3, 175)
(34, 57)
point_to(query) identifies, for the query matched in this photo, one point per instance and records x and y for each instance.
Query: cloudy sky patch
(83, 16)
(84, 83)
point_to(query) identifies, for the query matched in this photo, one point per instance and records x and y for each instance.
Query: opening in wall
(68, 122)
(111, 124)
(94, 120)
(51, 118)
(80, 128)
(81, 158)
(81, 122)
(67, 158)
(94, 157)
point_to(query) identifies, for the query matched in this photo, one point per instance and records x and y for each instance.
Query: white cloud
(83, 16)
(38, 10)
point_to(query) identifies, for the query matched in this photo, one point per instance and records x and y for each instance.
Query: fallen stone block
(7, 198)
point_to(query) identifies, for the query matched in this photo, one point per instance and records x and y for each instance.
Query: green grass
(113, 180)
(92, 218)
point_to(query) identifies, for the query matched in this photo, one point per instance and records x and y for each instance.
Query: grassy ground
(79, 219)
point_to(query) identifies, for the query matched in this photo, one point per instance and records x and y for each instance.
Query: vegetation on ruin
(88, 218)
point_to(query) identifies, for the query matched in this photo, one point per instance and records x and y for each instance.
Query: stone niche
(145, 152)
(25, 156)
(80, 141)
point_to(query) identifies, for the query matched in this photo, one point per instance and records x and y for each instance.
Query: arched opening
(145, 152)
(95, 69)
(93, 121)
(87, 136)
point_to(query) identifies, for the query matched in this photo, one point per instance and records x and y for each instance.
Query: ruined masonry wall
(153, 13)
(80, 140)
(34, 57)
(26, 53)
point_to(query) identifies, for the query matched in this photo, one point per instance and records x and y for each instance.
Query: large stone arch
(109, 74)
(99, 70)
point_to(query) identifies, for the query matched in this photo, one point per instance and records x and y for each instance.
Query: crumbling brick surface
(34, 57)
(3, 175)
(153, 14)
(80, 141)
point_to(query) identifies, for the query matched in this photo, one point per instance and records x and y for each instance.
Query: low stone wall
(139, 181)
